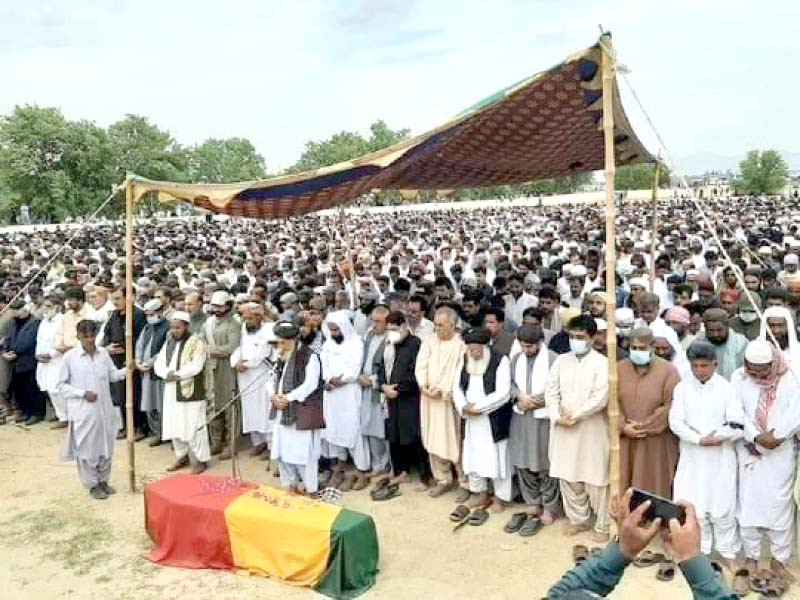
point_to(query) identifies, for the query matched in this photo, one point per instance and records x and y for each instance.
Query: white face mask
(579, 347)
(748, 317)
(153, 319)
(394, 337)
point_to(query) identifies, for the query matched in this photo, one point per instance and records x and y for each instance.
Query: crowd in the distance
(467, 348)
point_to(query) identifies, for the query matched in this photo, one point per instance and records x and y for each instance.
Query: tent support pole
(350, 260)
(654, 232)
(611, 264)
(129, 197)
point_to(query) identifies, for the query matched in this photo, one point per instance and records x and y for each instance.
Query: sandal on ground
(768, 584)
(741, 582)
(717, 566)
(478, 517)
(463, 496)
(648, 559)
(531, 527)
(666, 571)
(460, 513)
(579, 553)
(515, 522)
(378, 487)
(387, 492)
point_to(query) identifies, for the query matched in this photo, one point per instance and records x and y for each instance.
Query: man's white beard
(478, 367)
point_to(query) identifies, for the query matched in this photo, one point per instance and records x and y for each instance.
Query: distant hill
(702, 162)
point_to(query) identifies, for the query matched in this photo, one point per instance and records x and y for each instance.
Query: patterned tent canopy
(547, 125)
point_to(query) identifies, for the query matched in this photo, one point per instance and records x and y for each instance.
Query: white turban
(180, 315)
(758, 352)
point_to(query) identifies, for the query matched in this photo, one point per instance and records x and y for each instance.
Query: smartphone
(659, 507)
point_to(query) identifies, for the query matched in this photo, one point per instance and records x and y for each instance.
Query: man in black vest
(297, 405)
(481, 394)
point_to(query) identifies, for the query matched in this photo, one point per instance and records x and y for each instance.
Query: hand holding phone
(660, 508)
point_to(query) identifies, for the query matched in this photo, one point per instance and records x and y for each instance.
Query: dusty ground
(55, 542)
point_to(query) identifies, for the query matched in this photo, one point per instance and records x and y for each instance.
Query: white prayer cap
(765, 250)
(624, 316)
(220, 298)
(578, 271)
(180, 315)
(791, 259)
(242, 297)
(152, 305)
(638, 281)
(601, 324)
(758, 352)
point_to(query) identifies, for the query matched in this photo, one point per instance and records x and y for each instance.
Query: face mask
(394, 337)
(748, 317)
(153, 319)
(579, 347)
(640, 357)
(624, 332)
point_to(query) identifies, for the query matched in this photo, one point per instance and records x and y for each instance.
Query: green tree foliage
(762, 173)
(346, 145)
(640, 177)
(142, 148)
(224, 161)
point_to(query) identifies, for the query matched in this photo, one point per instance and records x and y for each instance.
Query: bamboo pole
(350, 260)
(129, 196)
(654, 232)
(611, 264)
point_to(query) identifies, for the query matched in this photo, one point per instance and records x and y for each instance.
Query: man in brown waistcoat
(298, 405)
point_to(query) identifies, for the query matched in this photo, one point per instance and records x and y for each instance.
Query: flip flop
(378, 487)
(666, 571)
(648, 559)
(760, 580)
(460, 513)
(531, 527)
(741, 582)
(579, 553)
(516, 521)
(717, 566)
(478, 517)
(387, 492)
(768, 584)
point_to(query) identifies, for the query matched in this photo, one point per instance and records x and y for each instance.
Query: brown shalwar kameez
(648, 463)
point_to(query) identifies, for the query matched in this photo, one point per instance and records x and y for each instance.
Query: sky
(717, 77)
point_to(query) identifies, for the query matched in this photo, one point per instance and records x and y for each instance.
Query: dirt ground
(56, 542)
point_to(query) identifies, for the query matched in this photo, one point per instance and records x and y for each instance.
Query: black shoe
(107, 488)
(98, 493)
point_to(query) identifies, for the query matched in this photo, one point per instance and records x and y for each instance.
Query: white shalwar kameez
(766, 505)
(706, 475)
(255, 392)
(482, 457)
(297, 452)
(93, 426)
(183, 422)
(342, 406)
(47, 373)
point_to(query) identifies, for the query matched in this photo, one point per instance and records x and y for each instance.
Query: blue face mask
(579, 347)
(640, 357)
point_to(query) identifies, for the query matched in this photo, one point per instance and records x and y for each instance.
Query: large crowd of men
(464, 351)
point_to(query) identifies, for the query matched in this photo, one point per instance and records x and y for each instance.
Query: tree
(143, 148)
(640, 177)
(224, 161)
(762, 173)
(347, 145)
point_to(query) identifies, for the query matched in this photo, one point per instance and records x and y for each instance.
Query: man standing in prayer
(222, 334)
(253, 360)
(77, 310)
(48, 368)
(728, 344)
(529, 437)
(746, 319)
(148, 345)
(341, 358)
(194, 306)
(707, 417)
(502, 341)
(21, 355)
(648, 449)
(436, 370)
(767, 461)
(298, 405)
(481, 395)
(576, 396)
(778, 320)
(180, 364)
(113, 340)
(418, 325)
(397, 381)
(86, 373)
(373, 422)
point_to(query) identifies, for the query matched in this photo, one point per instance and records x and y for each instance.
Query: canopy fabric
(547, 125)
